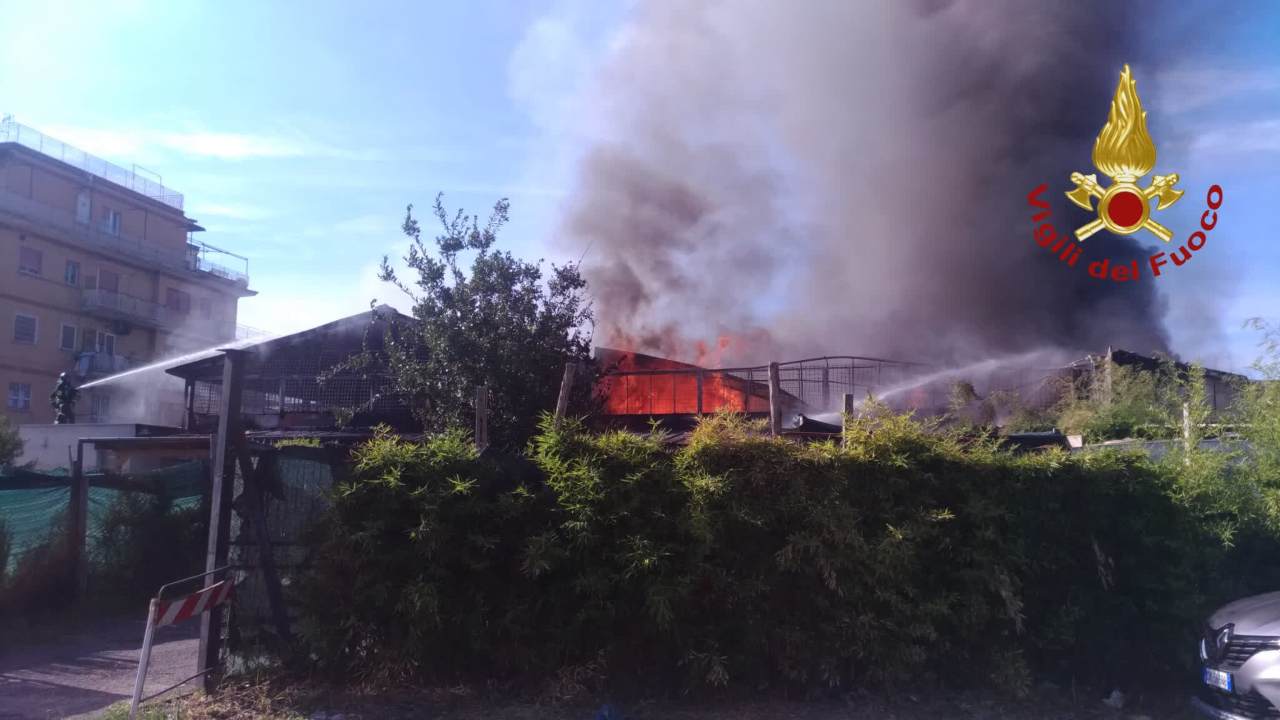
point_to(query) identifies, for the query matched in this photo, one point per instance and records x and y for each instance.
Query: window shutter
(24, 329)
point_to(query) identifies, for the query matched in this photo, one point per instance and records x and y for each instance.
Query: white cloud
(229, 211)
(1184, 89)
(369, 225)
(547, 68)
(1256, 136)
(147, 144)
(233, 146)
(281, 310)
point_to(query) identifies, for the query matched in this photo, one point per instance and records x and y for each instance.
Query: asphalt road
(78, 673)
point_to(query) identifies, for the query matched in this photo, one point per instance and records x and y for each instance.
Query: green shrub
(911, 553)
(10, 442)
(412, 567)
(41, 578)
(145, 543)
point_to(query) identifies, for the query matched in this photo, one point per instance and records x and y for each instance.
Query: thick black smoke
(851, 177)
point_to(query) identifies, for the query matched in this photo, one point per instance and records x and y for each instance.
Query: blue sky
(298, 131)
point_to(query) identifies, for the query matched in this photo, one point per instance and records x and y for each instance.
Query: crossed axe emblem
(1124, 208)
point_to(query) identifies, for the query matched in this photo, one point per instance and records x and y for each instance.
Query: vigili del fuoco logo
(1124, 152)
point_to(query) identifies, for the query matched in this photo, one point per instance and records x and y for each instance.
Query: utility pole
(566, 388)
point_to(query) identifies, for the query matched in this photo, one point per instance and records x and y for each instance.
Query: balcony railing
(116, 306)
(12, 131)
(90, 364)
(46, 218)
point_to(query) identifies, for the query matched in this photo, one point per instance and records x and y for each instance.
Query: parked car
(1240, 660)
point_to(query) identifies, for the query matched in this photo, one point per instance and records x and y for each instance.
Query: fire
(639, 384)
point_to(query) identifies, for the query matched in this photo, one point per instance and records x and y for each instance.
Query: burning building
(636, 388)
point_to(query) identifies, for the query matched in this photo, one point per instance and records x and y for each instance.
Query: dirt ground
(76, 668)
(299, 700)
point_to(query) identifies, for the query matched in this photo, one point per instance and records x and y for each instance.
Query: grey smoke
(850, 177)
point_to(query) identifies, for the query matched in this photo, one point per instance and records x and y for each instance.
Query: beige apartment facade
(99, 274)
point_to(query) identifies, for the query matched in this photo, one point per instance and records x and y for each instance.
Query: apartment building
(100, 273)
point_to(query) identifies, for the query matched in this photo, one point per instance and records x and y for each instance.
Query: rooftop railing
(47, 218)
(13, 131)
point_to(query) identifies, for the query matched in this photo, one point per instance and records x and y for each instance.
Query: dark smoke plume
(851, 177)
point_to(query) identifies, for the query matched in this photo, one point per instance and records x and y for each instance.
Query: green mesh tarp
(34, 506)
(305, 484)
(29, 517)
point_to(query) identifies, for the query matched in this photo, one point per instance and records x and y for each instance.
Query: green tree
(1117, 402)
(501, 324)
(10, 443)
(1259, 413)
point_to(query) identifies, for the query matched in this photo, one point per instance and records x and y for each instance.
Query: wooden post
(775, 401)
(482, 418)
(846, 413)
(222, 486)
(79, 525)
(566, 387)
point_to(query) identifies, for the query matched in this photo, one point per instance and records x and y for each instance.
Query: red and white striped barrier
(170, 612)
(175, 611)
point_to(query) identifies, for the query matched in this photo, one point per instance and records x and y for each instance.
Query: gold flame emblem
(1124, 152)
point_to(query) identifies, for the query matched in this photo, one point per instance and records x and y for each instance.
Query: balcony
(43, 218)
(125, 308)
(100, 364)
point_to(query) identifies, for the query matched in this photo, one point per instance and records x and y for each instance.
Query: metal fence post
(845, 416)
(698, 386)
(143, 659)
(775, 400)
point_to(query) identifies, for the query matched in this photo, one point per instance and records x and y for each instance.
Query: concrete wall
(51, 446)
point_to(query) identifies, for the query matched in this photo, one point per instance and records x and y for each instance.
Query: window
(24, 329)
(98, 342)
(72, 274)
(30, 260)
(177, 300)
(100, 406)
(19, 396)
(108, 280)
(206, 308)
(110, 221)
(67, 339)
(82, 207)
